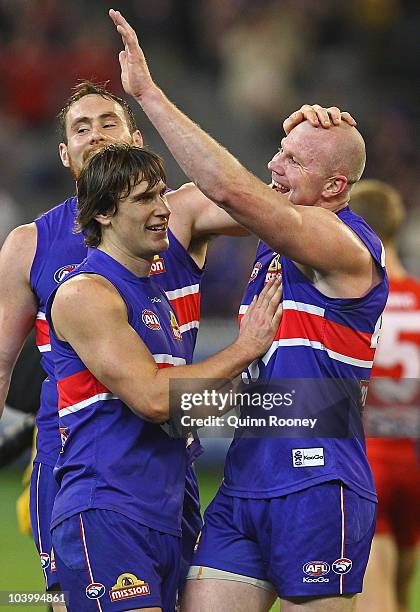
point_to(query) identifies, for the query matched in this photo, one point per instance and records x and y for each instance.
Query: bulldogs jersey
(59, 251)
(319, 338)
(111, 458)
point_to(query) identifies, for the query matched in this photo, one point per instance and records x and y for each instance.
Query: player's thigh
(379, 593)
(344, 603)
(225, 596)
(110, 560)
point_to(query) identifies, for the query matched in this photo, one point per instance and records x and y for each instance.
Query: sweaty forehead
(91, 107)
(307, 144)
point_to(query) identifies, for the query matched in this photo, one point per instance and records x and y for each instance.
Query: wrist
(150, 95)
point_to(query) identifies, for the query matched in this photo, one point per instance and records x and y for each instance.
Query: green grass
(20, 569)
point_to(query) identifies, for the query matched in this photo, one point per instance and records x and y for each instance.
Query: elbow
(155, 410)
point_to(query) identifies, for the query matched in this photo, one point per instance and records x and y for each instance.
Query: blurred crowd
(238, 67)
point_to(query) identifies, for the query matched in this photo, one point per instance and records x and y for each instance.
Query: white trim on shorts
(85, 550)
(201, 572)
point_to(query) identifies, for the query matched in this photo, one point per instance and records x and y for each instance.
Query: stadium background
(238, 67)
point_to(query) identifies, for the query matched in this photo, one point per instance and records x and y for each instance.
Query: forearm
(211, 167)
(152, 399)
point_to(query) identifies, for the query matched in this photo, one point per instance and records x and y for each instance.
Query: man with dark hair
(49, 249)
(394, 460)
(293, 517)
(117, 515)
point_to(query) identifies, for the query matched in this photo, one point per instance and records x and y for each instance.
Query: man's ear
(137, 138)
(64, 156)
(334, 186)
(104, 220)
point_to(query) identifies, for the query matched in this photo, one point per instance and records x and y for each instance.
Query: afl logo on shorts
(342, 566)
(150, 319)
(95, 590)
(45, 560)
(63, 271)
(316, 568)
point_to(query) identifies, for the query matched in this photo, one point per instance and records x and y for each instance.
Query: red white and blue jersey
(59, 250)
(318, 338)
(111, 458)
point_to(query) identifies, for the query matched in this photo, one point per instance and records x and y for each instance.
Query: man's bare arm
(18, 305)
(288, 229)
(90, 314)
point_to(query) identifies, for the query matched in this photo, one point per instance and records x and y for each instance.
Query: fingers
(317, 116)
(345, 116)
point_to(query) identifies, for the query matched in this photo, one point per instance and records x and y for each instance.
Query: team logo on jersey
(316, 568)
(342, 566)
(95, 590)
(64, 433)
(274, 269)
(128, 585)
(45, 560)
(150, 319)
(63, 271)
(158, 265)
(175, 327)
(255, 271)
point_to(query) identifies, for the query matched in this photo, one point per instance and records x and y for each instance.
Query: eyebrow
(149, 192)
(86, 119)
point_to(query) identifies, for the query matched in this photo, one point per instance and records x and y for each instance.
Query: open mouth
(279, 187)
(158, 228)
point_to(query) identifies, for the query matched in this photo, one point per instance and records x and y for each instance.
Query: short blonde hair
(380, 205)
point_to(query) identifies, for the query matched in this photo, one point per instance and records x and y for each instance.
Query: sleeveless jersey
(393, 407)
(111, 458)
(59, 250)
(318, 338)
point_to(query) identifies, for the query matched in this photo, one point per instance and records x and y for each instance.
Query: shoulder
(18, 250)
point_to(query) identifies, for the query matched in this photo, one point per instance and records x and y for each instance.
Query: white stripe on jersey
(175, 361)
(87, 402)
(360, 363)
(292, 305)
(188, 326)
(44, 348)
(40, 315)
(302, 307)
(183, 292)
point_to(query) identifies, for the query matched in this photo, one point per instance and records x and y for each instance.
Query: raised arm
(287, 228)
(18, 306)
(90, 314)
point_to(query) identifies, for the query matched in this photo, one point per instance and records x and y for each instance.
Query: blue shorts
(192, 523)
(43, 490)
(311, 543)
(110, 562)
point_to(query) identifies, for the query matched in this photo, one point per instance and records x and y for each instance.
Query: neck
(394, 266)
(136, 265)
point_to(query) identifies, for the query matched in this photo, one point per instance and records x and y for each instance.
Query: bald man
(295, 513)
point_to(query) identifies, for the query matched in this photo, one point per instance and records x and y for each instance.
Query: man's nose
(96, 134)
(276, 164)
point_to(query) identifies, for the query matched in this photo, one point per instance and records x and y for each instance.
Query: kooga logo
(308, 457)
